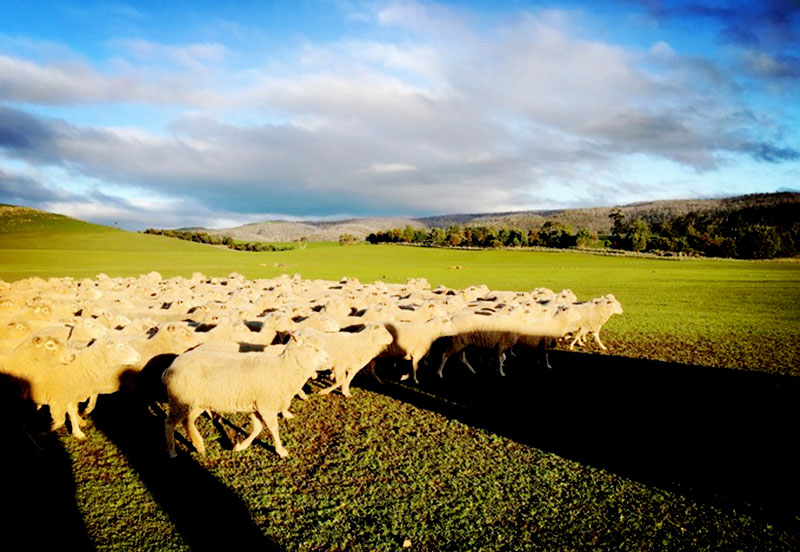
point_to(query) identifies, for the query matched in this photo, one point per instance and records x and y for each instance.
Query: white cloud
(389, 168)
(449, 115)
(194, 56)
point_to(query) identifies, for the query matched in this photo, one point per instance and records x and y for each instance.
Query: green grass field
(386, 467)
(737, 314)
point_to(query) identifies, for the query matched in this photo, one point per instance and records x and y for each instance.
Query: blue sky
(168, 114)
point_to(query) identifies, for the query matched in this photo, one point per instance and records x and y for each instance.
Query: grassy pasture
(603, 453)
(739, 314)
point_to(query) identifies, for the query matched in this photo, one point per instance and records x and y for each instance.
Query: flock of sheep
(239, 345)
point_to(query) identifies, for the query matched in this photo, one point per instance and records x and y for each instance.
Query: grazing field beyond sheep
(735, 314)
(654, 445)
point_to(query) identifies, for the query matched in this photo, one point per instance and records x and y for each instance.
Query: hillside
(23, 228)
(593, 218)
(287, 231)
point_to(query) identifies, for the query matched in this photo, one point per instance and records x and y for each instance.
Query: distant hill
(287, 231)
(25, 228)
(593, 218)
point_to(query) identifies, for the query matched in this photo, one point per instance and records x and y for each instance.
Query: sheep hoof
(287, 415)
(282, 452)
(347, 393)
(238, 447)
(79, 435)
(173, 454)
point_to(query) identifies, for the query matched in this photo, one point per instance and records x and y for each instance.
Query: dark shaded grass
(205, 512)
(449, 465)
(38, 489)
(715, 434)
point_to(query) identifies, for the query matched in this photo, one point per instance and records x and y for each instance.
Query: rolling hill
(593, 218)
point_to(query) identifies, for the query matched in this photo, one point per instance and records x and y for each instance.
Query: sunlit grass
(374, 472)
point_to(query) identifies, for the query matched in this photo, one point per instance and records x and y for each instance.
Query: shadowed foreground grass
(542, 460)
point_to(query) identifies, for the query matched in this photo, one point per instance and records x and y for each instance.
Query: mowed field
(680, 438)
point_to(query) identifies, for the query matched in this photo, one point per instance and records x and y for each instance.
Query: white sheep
(77, 375)
(161, 340)
(589, 317)
(260, 383)
(485, 330)
(349, 351)
(413, 340)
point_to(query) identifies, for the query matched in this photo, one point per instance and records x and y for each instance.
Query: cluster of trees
(720, 233)
(551, 234)
(227, 241)
(348, 239)
(735, 234)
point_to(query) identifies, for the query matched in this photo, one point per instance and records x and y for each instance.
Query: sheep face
(614, 305)
(318, 359)
(48, 349)
(380, 334)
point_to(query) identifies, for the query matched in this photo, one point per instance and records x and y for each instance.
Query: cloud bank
(432, 110)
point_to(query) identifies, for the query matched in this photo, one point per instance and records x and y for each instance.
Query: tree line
(551, 234)
(751, 233)
(227, 241)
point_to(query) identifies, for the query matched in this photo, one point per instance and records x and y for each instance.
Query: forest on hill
(759, 226)
(694, 226)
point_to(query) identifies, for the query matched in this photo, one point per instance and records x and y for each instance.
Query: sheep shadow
(38, 489)
(722, 436)
(207, 514)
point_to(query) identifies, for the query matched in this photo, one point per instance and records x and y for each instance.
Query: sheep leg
(90, 405)
(338, 376)
(371, 369)
(58, 413)
(256, 429)
(546, 345)
(330, 389)
(75, 421)
(597, 338)
(176, 414)
(465, 363)
(194, 434)
(445, 356)
(346, 383)
(271, 421)
(501, 357)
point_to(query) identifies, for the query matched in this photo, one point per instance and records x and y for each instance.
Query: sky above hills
(169, 114)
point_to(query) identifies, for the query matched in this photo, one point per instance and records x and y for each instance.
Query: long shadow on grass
(722, 436)
(207, 514)
(38, 490)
